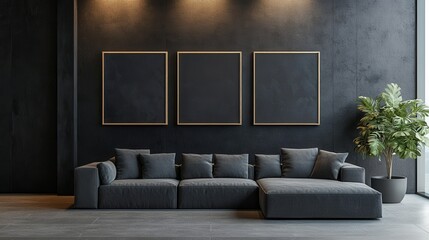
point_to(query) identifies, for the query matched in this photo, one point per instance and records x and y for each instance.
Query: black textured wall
(364, 45)
(28, 96)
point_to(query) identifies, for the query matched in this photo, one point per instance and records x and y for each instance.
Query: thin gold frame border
(166, 89)
(318, 89)
(240, 81)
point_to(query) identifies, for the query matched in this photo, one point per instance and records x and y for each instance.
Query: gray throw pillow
(127, 164)
(328, 164)
(196, 166)
(156, 166)
(231, 166)
(107, 172)
(298, 163)
(267, 166)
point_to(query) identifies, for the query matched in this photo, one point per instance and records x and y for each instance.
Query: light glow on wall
(119, 10)
(196, 15)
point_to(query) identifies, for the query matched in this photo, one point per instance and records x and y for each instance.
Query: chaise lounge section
(317, 198)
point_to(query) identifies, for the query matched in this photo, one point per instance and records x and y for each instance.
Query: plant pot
(392, 190)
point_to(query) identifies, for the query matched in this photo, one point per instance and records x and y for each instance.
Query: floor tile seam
(426, 231)
(95, 220)
(4, 227)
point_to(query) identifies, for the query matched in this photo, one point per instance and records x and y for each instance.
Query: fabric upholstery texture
(267, 166)
(328, 164)
(106, 172)
(352, 173)
(158, 166)
(127, 164)
(196, 166)
(231, 166)
(298, 163)
(250, 172)
(317, 198)
(219, 193)
(139, 193)
(86, 183)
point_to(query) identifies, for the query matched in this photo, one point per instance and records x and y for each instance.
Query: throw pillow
(267, 166)
(231, 166)
(113, 159)
(127, 164)
(107, 172)
(298, 163)
(197, 166)
(328, 164)
(155, 166)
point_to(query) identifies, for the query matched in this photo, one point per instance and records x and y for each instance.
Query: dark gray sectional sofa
(277, 197)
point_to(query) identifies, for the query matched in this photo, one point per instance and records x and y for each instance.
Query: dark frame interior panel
(135, 88)
(209, 88)
(286, 88)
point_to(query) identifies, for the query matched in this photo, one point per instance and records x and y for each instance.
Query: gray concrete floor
(42, 217)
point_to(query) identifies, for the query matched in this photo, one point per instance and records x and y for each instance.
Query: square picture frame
(134, 88)
(209, 88)
(286, 88)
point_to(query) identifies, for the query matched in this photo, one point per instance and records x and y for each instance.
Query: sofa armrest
(86, 183)
(352, 173)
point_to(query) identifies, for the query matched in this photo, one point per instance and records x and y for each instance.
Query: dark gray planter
(392, 190)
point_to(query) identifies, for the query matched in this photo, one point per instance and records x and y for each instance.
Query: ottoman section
(218, 193)
(139, 193)
(317, 198)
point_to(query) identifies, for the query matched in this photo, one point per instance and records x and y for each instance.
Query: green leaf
(391, 124)
(392, 95)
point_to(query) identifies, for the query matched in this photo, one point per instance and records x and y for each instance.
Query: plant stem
(388, 156)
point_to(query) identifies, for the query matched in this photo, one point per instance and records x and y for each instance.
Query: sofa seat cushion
(317, 198)
(220, 193)
(139, 193)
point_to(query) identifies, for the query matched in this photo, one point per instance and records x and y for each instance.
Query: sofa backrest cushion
(157, 166)
(106, 172)
(250, 169)
(231, 166)
(298, 163)
(251, 172)
(197, 166)
(127, 164)
(267, 166)
(328, 164)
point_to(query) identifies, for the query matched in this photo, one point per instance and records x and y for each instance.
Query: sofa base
(318, 198)
(218, 193)
(139, 193)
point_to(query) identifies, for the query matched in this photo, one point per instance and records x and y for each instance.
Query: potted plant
(391, 126)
